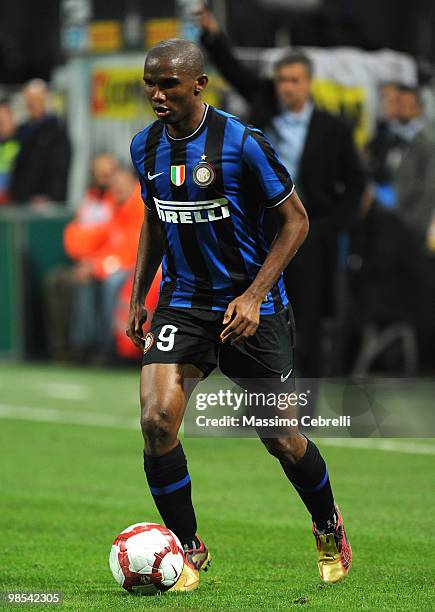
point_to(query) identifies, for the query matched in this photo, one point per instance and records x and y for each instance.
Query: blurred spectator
(41, 169)
(83, 235)
(386, 290)
(414, 183)
(319, 152)
(9, 148)
(82, 238)
(395, 282)
(102, 273)
(414, 179)
(384, 149)
(390, 103)
(259, 93)
(401, 159)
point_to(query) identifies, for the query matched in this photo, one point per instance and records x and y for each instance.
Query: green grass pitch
(68, 489)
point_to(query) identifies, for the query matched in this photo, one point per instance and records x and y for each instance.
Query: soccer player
(207, 182)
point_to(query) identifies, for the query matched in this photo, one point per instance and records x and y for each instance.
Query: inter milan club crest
(203, 174)
(148, 342)
(178, 175)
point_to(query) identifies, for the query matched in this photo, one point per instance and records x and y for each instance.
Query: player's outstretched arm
(149, 257)
(243, 313)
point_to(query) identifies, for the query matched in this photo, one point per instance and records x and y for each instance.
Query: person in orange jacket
(82, 237)
(86, 232)
(105, 268)
(121, 234)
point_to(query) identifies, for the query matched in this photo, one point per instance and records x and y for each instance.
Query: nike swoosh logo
(153, 176)
(284, 378)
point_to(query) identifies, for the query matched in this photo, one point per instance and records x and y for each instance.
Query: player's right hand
(136, 319)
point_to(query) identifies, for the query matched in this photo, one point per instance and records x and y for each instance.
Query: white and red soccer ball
(146, 558)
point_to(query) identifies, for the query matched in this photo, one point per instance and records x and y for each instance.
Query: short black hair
(183, 52)
(296, 57)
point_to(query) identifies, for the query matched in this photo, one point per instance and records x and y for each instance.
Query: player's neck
(188, 124)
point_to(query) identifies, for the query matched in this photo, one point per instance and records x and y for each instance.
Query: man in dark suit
(319, 152)
(41, 168)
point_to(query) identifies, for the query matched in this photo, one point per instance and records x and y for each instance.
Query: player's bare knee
(157, 426)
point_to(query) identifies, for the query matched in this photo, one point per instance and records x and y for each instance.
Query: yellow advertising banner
(347, 101)
(156, 30)
(105, 36)
(117, 93)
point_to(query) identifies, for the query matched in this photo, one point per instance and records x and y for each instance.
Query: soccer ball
(146, 558)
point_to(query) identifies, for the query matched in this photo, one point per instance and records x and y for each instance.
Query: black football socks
(170, 486)
(310, 478)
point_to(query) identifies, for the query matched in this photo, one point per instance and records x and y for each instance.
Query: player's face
(293, 86)
(170, 89)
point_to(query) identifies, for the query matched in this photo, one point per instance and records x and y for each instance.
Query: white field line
(51, 415)
(66, 391)
(68, 417)
(382, 444)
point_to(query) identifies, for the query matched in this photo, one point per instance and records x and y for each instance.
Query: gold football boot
(195, 559)
(334, 551)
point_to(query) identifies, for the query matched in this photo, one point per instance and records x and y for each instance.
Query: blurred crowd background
(345, 91)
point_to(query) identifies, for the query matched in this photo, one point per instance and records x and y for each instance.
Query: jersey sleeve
(262, 159)
(135, 152)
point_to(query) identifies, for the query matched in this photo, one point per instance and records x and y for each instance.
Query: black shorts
(191, 335)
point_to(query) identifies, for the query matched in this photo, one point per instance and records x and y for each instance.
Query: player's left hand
(243, 318)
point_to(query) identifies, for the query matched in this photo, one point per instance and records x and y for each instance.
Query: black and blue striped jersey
(210, 190)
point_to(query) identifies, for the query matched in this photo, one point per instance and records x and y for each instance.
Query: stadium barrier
(30, 245)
